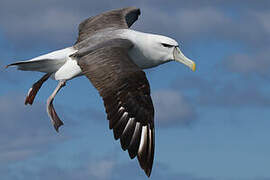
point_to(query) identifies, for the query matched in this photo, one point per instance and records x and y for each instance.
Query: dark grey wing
(126, 95)
(120, 18)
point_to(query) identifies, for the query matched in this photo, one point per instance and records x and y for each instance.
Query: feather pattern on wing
(126, 95)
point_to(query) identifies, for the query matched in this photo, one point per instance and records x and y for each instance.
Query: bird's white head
(151, 50)
(167, 49)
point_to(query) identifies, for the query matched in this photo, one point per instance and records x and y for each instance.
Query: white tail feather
(47, 63)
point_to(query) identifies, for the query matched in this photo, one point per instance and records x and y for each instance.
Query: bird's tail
(47, 63)
(41, 65)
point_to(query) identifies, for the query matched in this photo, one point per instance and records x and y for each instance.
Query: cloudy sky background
(212, 124)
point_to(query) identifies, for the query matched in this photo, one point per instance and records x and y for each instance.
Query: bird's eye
(166, 45)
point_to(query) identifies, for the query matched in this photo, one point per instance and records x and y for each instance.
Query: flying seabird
(112, 57)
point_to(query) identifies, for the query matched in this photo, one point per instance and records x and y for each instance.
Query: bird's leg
(35, 88)
(50, 109)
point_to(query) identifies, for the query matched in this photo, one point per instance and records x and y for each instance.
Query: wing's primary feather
(126, 95)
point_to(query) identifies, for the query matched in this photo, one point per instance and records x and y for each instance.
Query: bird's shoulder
(117, 19)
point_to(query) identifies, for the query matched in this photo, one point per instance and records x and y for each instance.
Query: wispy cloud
(189, 21)
(172, 108)
(231, 92)
(104, 168)
(249, 64)
(24, 131)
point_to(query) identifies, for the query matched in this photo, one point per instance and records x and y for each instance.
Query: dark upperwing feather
(126, 95)
(119, 18)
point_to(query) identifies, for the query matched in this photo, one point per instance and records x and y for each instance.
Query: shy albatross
(112, 57)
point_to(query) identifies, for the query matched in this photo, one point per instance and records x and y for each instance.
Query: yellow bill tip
(193, 67)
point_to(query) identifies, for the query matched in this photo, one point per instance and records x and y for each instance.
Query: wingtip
(148, 172)
(148, 169)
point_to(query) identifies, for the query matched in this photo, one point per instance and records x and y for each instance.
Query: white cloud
(200, 20)
(53, 23)
(264, 17)
(24, 131)
(102, 169)
(255, 63)
(172, 107)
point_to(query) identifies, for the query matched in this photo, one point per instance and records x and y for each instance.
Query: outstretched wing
(126, 95)
(120, 18)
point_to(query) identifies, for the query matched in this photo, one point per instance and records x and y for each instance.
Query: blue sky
(212, 124)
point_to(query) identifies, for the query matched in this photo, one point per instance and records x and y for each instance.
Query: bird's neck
(142, 53)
